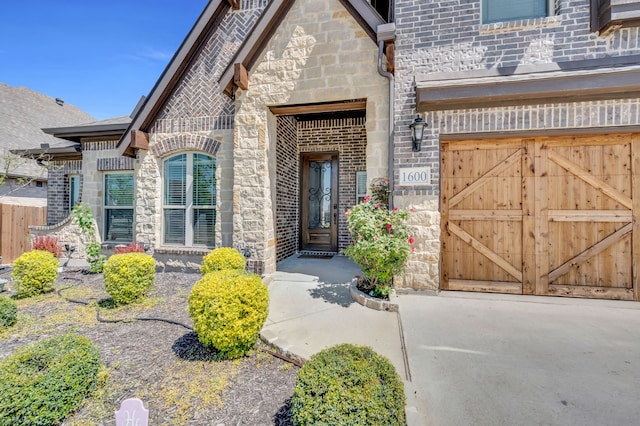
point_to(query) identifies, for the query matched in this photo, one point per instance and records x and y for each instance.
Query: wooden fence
(14, 229)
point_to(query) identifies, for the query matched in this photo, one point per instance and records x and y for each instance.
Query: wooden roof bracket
(139, 139)
(235, 4)
(240, 76)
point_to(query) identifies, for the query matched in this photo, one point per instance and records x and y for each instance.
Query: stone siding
(449, 36)
(319, 53)
(149, 190)
(197, 117)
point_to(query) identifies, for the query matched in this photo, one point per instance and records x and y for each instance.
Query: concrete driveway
(481, 359)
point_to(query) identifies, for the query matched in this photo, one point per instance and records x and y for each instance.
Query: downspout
(386, 32)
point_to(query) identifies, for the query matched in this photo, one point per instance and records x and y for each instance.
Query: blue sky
(99, 55)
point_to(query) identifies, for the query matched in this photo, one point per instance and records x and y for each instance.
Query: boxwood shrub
(228, 309)
(222, 258)
(8, 312)
(35, 272)
(128, 276)
(44, 382)
(348, 385)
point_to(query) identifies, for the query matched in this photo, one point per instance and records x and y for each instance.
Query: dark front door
(319, 202)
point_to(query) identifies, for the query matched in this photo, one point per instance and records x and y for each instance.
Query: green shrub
(95, 258)
(228, 309)
(348, 385)
(222, 258)
(128, 276)
(43, 383)
(8, 312)
(35, 272)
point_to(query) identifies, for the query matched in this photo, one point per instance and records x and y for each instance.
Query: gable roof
(109, 127)
(210, 18)
(256, 41)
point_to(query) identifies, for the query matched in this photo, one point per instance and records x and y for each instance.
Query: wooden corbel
(240, 76)
(235, 4)
(139, 140)
(389, 51)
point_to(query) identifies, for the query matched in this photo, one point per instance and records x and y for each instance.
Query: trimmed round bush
(44, 382)
(228, 309)
(221, 259)
(348, 385)
(35, 272)
(8, 312)
(128, 276)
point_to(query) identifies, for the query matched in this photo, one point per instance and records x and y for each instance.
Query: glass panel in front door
(319, 194)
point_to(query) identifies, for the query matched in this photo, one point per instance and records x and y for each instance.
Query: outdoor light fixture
(417, 132)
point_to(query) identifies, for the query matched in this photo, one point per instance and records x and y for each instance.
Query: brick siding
(348, 137)
(287, 187)
(58, 189)
(449, 36)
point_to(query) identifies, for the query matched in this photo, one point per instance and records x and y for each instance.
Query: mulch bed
(179, 380)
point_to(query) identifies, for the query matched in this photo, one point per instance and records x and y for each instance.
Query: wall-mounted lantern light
(417, 132)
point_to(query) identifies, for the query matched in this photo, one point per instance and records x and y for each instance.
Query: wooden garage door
(546, 216)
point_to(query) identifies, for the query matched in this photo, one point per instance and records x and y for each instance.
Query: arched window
(189, 200)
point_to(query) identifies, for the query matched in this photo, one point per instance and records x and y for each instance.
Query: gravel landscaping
(180, 381)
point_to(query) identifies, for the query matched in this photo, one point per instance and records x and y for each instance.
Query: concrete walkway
(473, 359)
(311, 309)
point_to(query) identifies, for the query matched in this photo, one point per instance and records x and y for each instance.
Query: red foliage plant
(133, 247)
(48, 243)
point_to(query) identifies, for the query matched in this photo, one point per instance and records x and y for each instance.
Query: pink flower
(388, 226)
(367, 198)
(395, 209)
(348, 212)
(411, 210)
(411, 240)
(377, 206)
(413, 249)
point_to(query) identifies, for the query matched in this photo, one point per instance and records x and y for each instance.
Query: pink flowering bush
(381, 244)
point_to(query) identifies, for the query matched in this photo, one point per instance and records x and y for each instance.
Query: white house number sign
(415, 176)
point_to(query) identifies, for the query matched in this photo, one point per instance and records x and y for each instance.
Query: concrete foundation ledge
(365, 300)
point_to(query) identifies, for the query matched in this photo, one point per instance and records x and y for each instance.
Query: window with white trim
(189, 200)
(118, 207)
(513, 10)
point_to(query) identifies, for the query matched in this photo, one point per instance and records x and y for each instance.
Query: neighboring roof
(24, 201)
(210, 18)
(23, 113)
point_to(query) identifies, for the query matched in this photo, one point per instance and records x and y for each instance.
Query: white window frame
(551, 11)
(106, 207)
(189, 208)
